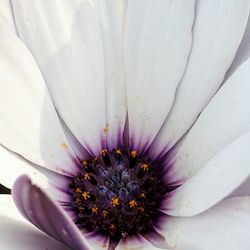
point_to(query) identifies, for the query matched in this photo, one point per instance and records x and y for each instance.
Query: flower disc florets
(117, 193)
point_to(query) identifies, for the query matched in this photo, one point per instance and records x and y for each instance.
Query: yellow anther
(81, 209)
(94, 209)
(133, 154)
(132, 203)
(104, 152)
(118, 152)
(112, 227)
(78, 200)
(141, 209)
(86, 195)
(142, 195)
(78, 190)
(145, 167)
(115, 202)
(86, 176)
(105, 214)
(85, 164)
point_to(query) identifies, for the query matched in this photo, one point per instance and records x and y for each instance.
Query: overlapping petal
(46, 214)
(157, 44)
(213, 50)
(29, 123)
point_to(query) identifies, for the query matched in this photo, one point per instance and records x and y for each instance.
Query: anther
(86, 195)
(143, 169)
(112, 227)
(105, 157)
(90, 178)
(105, 214)
(132, 203)
(115, 202)
(94, 209)
(118, 154)
(133, 159)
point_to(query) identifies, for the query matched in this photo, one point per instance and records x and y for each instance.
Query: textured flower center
(117, 194)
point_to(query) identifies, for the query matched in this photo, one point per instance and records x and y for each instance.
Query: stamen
(86, 195)
(94, 209)
(115, 202)
(117, 193)
(132, 204)
(105, 157)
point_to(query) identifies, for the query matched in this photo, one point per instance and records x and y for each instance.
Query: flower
(130, 121)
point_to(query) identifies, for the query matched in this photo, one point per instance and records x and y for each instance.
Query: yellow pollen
(141, 209)
(86, 195)
(142, 195)
(133, 154)
(115, 202)
(85, 164)
(86, 176)
(104, 152)
(132, 203)
(112, 227)
(145, 167)
(81, 209)
(78, 190)
(94, 209)
(118, 152)
(105, 214)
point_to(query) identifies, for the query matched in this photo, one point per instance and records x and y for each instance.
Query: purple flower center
(117, 194)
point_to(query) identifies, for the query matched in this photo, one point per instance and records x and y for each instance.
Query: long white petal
(157, 44)
(218, 178)
(18, 234)
(65, 39)
(213, 50)
(243, 52)
(29, 123)
(225, 118)
(111, 15)
(226, 226)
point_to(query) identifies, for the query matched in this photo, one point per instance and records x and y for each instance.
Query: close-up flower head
(124, 124)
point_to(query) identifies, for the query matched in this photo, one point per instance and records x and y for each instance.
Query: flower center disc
(117, 194)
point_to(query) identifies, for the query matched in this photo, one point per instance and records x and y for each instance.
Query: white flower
(113, 110)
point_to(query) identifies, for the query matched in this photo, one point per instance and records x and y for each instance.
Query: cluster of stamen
(117, 193)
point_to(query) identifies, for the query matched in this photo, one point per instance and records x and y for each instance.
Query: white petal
(218, 178)
(111, 17)
(65, 39)
(225, 118)
(157, 44)
(243, 52)
(12, 166)
(29, 124)
(212, 52)
(225, 226)
(18, 234)
(242, 190)
(6, 15)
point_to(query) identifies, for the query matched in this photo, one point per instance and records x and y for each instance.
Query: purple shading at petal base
(47, 215)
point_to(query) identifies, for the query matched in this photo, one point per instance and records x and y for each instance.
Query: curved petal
(225, 118)
(157, 44)
(243, 52)
(242, 190)
(217, 179)
(65, 39)
(17, 233)
(13, 166)
(226, 226)
(44, 213)
(29, 124)
(213, 50)
(111, 18)
(6, 15)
